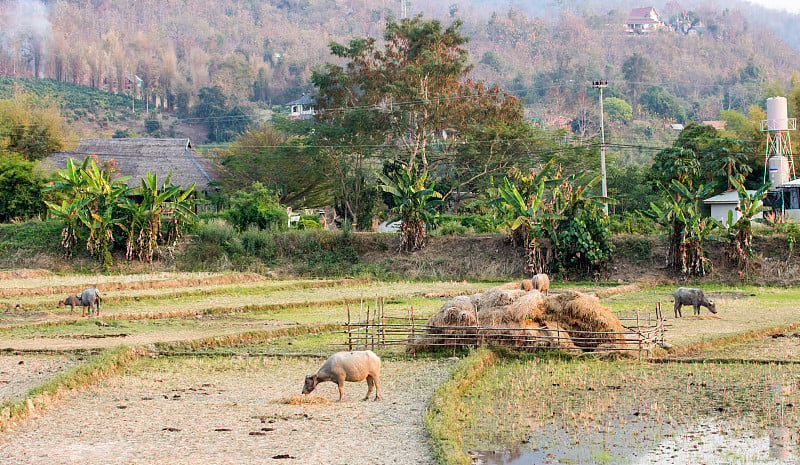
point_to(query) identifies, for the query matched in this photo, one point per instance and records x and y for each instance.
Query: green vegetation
(72, 97)
(97, 202)
(415, 202)
(21, 190)
(445, 417)
(30, 238)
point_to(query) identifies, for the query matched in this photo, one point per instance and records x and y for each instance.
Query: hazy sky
(789, 5)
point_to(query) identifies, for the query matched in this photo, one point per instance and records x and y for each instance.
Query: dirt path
(232, 411)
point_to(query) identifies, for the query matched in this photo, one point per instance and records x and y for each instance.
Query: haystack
(585, 317)
(456, 323)
(511, 316)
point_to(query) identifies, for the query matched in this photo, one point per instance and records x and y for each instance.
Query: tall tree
(281, 162)
(410, 100)
(637, 69)
(30, 126)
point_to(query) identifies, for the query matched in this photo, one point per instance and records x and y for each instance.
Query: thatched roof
(135, 157)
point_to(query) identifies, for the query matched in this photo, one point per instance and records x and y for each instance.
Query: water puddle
(709, 441)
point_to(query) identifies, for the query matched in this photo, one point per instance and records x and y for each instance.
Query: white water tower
(778, 162)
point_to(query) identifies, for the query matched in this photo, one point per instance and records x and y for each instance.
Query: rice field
(590, 411)
(713, 398)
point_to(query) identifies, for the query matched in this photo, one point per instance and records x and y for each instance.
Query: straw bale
(554, 335)
(509, 316)
(458, 311)
(454, 324)
(509, 334)
(576, 311)
(529, 306)
(497, 297)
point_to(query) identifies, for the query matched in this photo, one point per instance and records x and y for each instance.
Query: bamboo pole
(383, 319)
(349, 330)
(413, 335)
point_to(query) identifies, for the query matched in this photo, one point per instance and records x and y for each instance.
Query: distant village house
(644, 20)
(303, 108)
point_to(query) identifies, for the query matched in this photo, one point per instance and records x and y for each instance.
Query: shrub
(152, 126)
(485, 223)
(216, 232)
(633, 223)
(259, 243)
(258, 206)
(452, 228)
(309, 222)
(20, 189)
(321, 252)
(583, 244)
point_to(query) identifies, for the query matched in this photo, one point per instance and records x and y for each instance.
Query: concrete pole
(600, 85)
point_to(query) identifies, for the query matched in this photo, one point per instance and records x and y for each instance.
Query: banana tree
(148, 206)
(740, 233)
(107, 193)
(687, 227)
(524, 200)
(67, 212)
(415, 204)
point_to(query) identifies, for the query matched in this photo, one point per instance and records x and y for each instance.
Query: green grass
(446, 415)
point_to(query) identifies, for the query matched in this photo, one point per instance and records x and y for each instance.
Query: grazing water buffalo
(72, 301)
(348, 366)
(90, 297)
(693, 297)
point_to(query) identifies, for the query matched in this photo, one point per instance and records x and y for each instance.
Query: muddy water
(709, 441)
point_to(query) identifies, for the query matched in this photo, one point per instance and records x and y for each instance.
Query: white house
(303, 108)
(726, 202)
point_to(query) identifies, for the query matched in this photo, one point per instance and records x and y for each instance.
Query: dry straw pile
(514, 315)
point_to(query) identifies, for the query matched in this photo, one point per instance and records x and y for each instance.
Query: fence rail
(644, 332)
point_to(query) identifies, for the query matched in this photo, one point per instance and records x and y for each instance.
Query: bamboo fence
(644, 331)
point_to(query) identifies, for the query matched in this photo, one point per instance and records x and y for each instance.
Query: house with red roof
(644, 20)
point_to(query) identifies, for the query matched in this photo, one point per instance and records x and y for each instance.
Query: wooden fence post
(349, 330)
(413, 328)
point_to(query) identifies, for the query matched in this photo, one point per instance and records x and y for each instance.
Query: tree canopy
(410, 100)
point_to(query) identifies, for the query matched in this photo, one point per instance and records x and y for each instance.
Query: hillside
(261, 54)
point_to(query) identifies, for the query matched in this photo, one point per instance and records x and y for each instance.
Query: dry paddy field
(221, 359)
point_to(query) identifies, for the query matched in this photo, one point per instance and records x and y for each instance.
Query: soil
(233, 411)
(18, 373)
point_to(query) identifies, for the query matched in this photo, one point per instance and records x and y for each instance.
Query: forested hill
(262, 53)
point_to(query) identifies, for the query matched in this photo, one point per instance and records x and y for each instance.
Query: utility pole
(601, 85)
